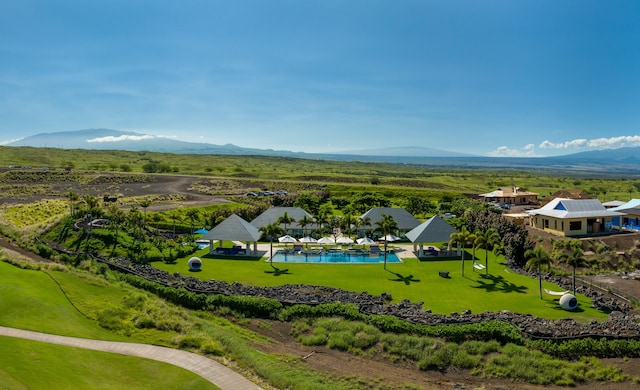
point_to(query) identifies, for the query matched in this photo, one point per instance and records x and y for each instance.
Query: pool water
(334, 257)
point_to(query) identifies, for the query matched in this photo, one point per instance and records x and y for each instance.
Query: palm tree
(285, 220)
(463, 238)
(486, 240)
(537, 258)
(117, 215)
(73, 198)
(387, 225)
(144, 203)
(363, 222)
(194, 216)
(575, 259)
(271, 230)
(347, 222)
(304, 222)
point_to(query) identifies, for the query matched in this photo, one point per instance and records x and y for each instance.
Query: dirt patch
(377, 369)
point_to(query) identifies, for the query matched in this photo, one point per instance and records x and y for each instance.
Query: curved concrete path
(214, 372)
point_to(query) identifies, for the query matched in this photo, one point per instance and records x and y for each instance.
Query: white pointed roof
(233, 228)
(435, 229)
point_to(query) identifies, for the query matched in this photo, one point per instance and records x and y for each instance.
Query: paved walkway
(214, 372)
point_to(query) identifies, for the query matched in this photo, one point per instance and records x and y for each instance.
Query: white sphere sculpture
(568, 302)
(194, 264)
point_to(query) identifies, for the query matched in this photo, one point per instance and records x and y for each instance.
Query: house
(631, 219)
(569, 193)
(510, 196)
(272, 214)
(403, 218)
(573, 217)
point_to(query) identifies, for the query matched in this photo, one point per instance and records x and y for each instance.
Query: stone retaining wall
(620, 324)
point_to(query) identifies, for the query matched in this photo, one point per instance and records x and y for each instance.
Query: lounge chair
(558, 293)
(477, 265)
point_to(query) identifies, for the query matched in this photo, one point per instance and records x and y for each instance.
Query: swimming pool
(334, 257)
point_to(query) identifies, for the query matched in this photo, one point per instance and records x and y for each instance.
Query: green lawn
(415, 280)
(32, 300)
(28, 364)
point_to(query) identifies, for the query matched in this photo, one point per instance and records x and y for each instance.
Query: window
(546, 223)
(575, 225)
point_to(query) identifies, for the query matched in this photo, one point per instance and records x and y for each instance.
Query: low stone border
(620, 323)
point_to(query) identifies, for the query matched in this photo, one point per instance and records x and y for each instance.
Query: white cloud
(121, 138)
(598, 143)
(9, 141)
(504, 151)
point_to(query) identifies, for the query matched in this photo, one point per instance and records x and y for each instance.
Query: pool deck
(403, 251)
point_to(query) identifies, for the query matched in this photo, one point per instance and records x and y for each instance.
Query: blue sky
(494, 78)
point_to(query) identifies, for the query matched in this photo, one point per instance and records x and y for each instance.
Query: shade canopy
(308, 240)
(287, 238)
(344, 240)
(435, 229)
(391, 238)
(233, 228)
(365, 241)
(326, 240)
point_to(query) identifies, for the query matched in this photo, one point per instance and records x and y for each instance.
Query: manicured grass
(28, 364)
(417, 281)
(32, 300)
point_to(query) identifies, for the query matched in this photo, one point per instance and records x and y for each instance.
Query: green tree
(537, 258)
(304, 222)
(73, 199)
(486, 240)
(387, 225)
(194, 216)
(270, 231)
(575, 259)
(462, 238)
(363, 223)
(117, 216)
(285, 220)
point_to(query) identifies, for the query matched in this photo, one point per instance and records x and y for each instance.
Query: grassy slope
(34, 365)
(32, 300)
(415, 280)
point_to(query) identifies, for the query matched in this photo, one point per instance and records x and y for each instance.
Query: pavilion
(435, 229)
(234, 228)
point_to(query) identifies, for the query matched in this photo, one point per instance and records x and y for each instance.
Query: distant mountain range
(622, 162)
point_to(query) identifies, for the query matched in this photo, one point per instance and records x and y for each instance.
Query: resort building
(573, 217)
(631, 219)
(511, 196)
(403, 218)
(272, 215)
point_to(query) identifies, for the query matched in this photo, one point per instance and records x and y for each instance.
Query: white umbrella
(287, 238)
(344, 240)
(326, 240)
(391, 237)
(308, 240)
(365, 241)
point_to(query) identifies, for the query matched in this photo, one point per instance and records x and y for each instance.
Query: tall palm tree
(574, 259)
(285, 220)
(194, 216)
(117, 215)
(463, 238)
(73, 198)
(364, 222)
(486, 240)
(271, 230)
(145, 203)
(304, 222)
(387, 225)
(347, 222)
(538, 258)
